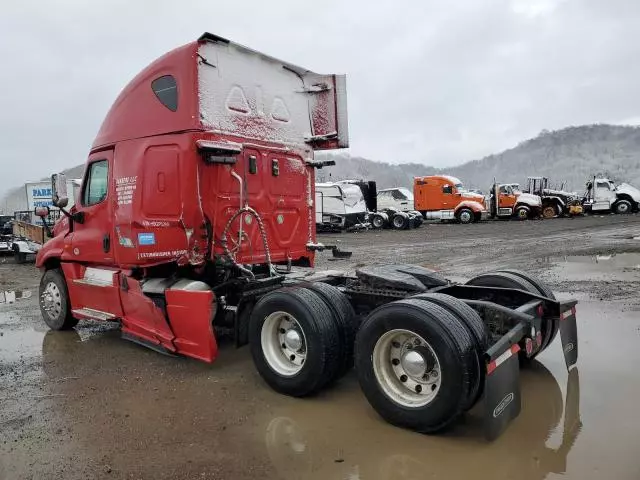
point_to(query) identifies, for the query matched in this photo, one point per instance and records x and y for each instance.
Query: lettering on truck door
(92, 280)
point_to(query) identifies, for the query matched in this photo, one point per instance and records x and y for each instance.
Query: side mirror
(42, 212)
(59, 195)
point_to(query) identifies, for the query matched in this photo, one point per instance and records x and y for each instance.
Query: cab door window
(95, 189)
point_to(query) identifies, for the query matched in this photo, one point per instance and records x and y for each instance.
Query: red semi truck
(197, 201)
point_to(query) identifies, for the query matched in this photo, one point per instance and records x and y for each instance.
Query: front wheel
(522, 213)
(465, 216)
(622, 207)
(54, 301)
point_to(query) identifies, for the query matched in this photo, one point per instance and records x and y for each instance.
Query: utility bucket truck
(198, 202)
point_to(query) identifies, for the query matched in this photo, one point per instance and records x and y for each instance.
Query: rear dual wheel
(301, 339)
(511, 278)
(417, 364)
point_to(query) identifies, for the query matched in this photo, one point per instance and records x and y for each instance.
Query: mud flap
(569, 334)
(502, 400)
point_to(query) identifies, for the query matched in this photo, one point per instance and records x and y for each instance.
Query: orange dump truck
(441, 197)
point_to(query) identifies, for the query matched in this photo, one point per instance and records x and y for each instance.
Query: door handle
(106, 243)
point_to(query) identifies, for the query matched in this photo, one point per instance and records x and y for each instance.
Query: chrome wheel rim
(406, 368)
(51, 301)
(377, 222)
(283, 344)
(397, 222)
(465, 217)
(623, 208)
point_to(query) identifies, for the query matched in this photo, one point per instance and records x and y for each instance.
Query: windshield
(407, 193)
(460, 188)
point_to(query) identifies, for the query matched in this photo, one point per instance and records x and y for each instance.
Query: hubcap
(465, 217)
(397, 222)
(283, 343)
(406, 368)
(623, 208)
(51, 301)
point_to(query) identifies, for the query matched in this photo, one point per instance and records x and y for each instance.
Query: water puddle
(10, 296)
(17, 345)
(613, 267)
(339, 436)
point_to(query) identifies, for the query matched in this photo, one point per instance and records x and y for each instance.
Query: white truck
(339, 206)
(603, 195)
(29, 233)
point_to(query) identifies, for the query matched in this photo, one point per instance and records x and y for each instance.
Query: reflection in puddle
(628, 260)
(321, 443)
(16, 345)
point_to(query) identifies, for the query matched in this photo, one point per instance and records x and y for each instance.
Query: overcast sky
(431, 81)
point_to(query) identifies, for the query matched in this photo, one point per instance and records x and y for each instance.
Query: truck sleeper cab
(442, 197)
(197, 201)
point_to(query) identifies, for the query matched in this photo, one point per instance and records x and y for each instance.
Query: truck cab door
(447, 197)
(603, 193)
(91, 242)
(92, 278)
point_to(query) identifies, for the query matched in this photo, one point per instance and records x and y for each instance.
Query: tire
(399, 222)
(510, 280)
(447, 343)
(622, 207)
(465, 216)
(54, 301)
(522, 213)
(377, 221)
(549, 211)
(543, 289)
(475, 326)
(344, 317)
(318, 334)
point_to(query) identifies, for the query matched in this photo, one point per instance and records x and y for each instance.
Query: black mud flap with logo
(502, 400)
(569, 332)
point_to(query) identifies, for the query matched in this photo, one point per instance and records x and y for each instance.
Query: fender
(475, 206)
(557, 199)
(53, 249)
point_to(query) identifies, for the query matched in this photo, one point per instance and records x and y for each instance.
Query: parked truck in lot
(389, 207)
(339, 207)
(441, 197)
(554, 202)
(196, 207)
(507, 202)
(603, 195)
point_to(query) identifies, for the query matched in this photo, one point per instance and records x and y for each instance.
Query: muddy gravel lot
(86, 404)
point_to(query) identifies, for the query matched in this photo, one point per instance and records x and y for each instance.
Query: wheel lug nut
(416, 342)
(395, 344)
(409, 347)
(433, 387)
(418, 388)
(403, 378)
(292, 357)
(282, 331)
(284, 346)
(395, 361)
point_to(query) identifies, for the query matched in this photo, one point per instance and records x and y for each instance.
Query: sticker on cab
(146, 239)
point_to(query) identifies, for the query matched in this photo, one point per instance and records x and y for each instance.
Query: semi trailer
(196, 213)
